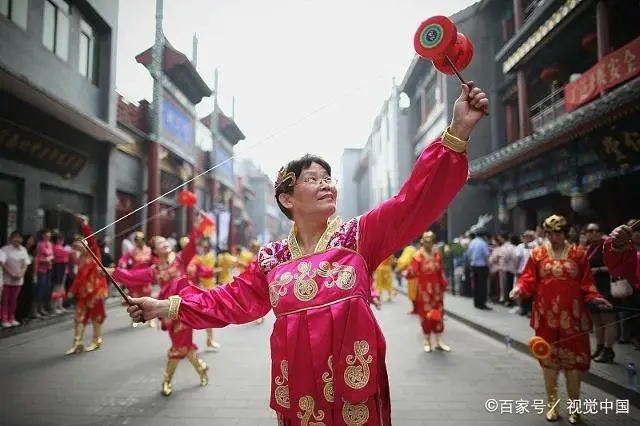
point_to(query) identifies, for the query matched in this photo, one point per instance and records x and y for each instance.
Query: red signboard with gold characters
(613, 69)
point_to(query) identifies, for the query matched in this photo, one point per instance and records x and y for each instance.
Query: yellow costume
(244, 259)
(207, 260)
(383, 277)
(403, 264)
(226, 263)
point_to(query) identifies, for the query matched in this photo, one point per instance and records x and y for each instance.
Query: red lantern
(589, 41)
(549, 74)
(187, 198)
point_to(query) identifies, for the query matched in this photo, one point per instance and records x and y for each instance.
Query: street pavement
(120, 384)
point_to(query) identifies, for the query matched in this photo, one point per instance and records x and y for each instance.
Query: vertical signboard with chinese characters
(610, 71)
(178, 128)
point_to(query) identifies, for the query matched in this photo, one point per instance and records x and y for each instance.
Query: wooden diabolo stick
(462, 80)
(104, 270)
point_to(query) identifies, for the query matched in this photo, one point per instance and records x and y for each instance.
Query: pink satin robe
(170, 279)
(327, 350)
(138, 259)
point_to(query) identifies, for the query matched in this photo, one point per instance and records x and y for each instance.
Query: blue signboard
(178, 130)
(224, 171)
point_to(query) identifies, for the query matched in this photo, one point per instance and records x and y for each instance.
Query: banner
(610, 71)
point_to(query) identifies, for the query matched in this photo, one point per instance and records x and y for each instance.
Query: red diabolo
(460, 53)
(434, 37)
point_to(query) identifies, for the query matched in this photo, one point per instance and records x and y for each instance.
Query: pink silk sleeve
(436, 178)
(625, 264)
(135, 276)
(243, 300)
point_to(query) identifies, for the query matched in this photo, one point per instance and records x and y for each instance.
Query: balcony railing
(548, 109)
(529, 11)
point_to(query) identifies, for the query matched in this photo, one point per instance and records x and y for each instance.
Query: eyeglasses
(314, 180)
(592, 230)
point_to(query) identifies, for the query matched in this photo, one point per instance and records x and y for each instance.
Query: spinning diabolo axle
(438, 39)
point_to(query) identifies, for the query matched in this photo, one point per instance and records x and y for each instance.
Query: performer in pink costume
(168, 272)
(327, 350)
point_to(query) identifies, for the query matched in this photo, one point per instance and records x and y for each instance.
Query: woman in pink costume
(138, 257)
(327, 350)
(168, 273)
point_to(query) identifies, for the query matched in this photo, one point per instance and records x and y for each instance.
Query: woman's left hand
(468, 109)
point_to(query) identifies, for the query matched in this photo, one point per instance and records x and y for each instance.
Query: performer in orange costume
(558, 278)
(90, 289)
(426, 268)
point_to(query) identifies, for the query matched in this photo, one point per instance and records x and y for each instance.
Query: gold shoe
(573, 392)
(427, 345)
(78, 345)
(441, 346)
(152, 323)
(172, 364)
(200, 366)
(551, 387)
(96, 343)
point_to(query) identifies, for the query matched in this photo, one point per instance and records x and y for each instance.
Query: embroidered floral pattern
(355, 415)
(278, 288)
(345, 275)
(282, 388)
(309, 416)
(327, 378)
(305, 288)
(357, 374)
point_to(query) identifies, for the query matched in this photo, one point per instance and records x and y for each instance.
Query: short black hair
(296, 167)
(14, 233)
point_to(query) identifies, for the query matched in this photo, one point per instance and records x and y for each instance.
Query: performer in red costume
(327, 350)
(139, 257)
(90, 289)
(558, 278)
(168, 272)
(621, 257)
(426, 267)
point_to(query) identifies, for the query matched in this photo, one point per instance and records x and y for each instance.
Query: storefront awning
(39, 98)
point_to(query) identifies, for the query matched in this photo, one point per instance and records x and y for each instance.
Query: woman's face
(314, 193)
(46, 236)
(557, 237)
(30, 241)
(161, 247)
(16, 240)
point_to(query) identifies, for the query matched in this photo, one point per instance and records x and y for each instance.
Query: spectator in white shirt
(14, 267)
(523, 251)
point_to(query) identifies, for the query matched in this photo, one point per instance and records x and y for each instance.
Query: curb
(37, 324)
(606, 385)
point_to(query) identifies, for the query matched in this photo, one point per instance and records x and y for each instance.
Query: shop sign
(610, 71)
(178, 130)
(20, 144)
(619, 144)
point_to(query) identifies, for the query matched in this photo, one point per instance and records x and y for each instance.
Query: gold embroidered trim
(307, 404)
(345, 275)
(174, 307)
(454, 143)
(355, 415)
(356, 376)
(319, 306)
(325, 238)
(552, 253)
(305, 288)
(327, 378)
(282, 390)
(278, 288)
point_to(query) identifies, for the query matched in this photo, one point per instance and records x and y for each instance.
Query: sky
(308, 76)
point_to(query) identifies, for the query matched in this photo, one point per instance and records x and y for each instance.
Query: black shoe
(598, 351)
(606, 356)
(486, 308)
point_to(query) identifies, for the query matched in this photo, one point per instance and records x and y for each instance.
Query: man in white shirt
(523, 251)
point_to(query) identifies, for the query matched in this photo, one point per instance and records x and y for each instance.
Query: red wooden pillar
(523, 105)
(603, 31)
(512, 128)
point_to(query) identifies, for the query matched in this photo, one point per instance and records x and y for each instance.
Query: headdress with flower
(555, 223)
(285, 179)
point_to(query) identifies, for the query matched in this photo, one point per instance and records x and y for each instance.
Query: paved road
(120, 384)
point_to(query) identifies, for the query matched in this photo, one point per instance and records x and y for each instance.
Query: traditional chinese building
(569, 101)
(57, 114)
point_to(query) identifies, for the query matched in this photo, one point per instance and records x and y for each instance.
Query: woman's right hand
(515, 294)
(143, 309)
